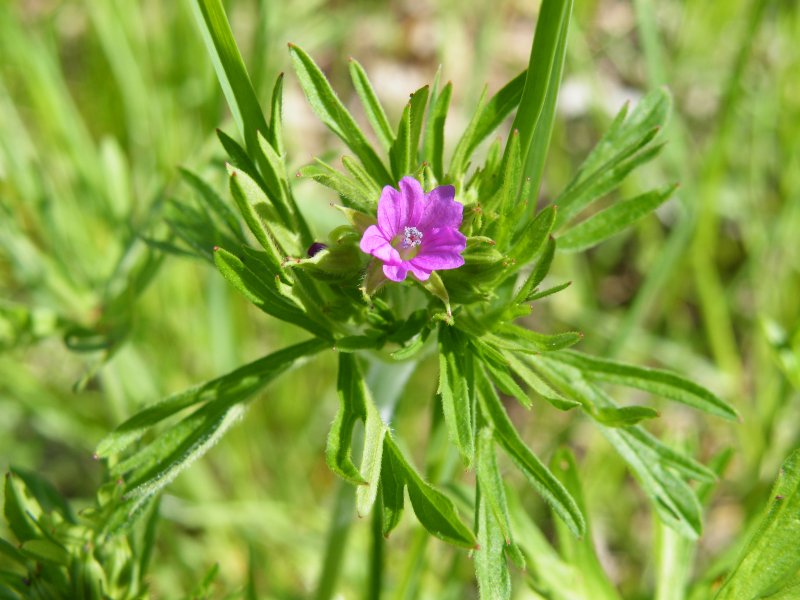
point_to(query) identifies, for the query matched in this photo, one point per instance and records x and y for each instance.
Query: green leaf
(537, 384)
(768, 566)
(497, 367)
(231, 71)
(624, 147)
(44, 493)
(673, 499)
(538, 273)
(661, 383)
(354, 195)
(374, 434)
(393, 487)
(355, 403)
(46, 551)
(509, 190)
(433, 151)
(275, 136)
(20, 509)
(498, 108)
(413, 345)
(235, 386)
(352, 407)
(671, 458)
(334, 115)
(548, 292)
(435, 286)
(491, 483)
(354, 343)
(624, 416)
(491, 567)
(486, 119)
(158, 464)
(505, 382)
(612, 220)
(505, 200)
(372, 106)
(239, 159)
(543, 481)
(534, 117)
(253, 203)
(371, 188)
(214, 202)
(11, 552)
(403, 153)
(435, 511)
(274, 173)
(627, 133)
(455, 389)
(529, 241)
(513, 337)
(260, 287)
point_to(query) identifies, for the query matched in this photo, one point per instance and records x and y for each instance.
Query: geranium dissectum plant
(416, 232)
(481, 260)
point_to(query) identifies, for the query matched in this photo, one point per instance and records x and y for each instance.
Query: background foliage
(101, 101)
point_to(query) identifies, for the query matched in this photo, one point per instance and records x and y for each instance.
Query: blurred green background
(102, 100)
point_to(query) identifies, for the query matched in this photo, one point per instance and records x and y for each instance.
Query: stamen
(411, 237)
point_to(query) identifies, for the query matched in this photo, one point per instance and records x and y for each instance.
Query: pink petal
(421, 274)
(440, 250)
(396, 272)
(441, 210)
(374, 242)
(445, 238)
(399, 209)
(437, 262)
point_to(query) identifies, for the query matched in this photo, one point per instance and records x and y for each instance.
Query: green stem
(386, 381)
(413, 567)
(342, 519)
(443, 461)
(375, 581)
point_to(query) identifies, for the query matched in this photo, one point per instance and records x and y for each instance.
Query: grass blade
(536, 107)
(231, 71)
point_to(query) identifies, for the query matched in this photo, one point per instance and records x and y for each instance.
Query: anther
(411, 237)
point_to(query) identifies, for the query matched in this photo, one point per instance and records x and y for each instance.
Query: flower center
(411, 237)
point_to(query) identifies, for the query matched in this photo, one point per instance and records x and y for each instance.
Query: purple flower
(416, 232)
